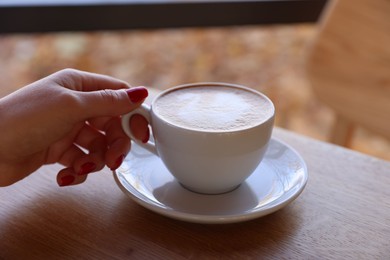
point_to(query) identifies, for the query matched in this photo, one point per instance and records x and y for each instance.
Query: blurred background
(267, 58)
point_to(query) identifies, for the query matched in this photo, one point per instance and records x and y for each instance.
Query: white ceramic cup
(209, 161)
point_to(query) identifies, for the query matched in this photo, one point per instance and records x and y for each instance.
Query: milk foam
(213, 108)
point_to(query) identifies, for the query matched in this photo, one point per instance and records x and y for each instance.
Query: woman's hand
(70, 117)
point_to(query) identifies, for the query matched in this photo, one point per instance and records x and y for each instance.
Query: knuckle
(68, 72)
(110, 96)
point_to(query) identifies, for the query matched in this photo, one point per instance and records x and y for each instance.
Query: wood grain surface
(343, 213)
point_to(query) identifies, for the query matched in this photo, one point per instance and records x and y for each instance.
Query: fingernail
(66, 180)
(137, 94)
(87, 168)
(118, 162)
(146, 138)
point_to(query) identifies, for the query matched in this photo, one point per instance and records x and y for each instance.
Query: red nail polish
(87, 168)
(118, 162)
(66, 180)
(146, 138)
(137, 94)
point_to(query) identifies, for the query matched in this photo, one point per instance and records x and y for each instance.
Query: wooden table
(344, 212)
(26, 16)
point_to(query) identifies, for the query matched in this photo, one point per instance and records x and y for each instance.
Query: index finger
(87, 81)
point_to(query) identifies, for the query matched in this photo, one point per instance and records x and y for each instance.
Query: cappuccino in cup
(210, 136)
(213, 108)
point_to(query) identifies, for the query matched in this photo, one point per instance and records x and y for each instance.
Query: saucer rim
(262, 211)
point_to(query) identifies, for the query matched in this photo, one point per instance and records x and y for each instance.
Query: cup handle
(143, 110)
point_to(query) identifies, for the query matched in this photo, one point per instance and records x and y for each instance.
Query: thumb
(111, 102)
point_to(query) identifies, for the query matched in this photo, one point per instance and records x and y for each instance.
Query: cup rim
(222, 84)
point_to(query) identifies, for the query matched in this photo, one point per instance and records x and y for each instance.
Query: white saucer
(278, 180)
